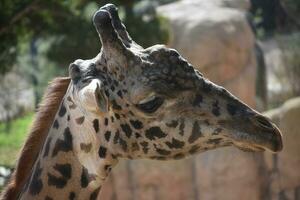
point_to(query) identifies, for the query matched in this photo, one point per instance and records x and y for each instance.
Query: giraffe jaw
(250, 148)
(258, 141)
(253, 132)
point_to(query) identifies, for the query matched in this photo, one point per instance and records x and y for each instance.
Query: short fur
(37, 135)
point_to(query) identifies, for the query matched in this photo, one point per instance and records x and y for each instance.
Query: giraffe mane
(37, 136)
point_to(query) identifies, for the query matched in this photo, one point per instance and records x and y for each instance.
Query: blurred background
(251, 47)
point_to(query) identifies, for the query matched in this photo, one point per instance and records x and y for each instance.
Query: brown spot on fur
(79, 120)
(62, 111)
(86, 177)
(72, 106)
(96, 125)
(86, 147)
(135, 146)
(94, 194)
(56, 124)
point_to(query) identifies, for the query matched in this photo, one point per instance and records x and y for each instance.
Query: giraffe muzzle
(254, 133)
(271, 133)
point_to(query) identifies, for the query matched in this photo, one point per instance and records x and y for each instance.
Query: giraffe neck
(73, 163)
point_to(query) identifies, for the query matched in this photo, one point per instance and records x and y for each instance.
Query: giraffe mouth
(250, 148)
(259, 140)
(255, 133)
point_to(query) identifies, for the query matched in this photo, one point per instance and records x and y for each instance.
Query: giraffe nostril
(270, 135)
(263, 122)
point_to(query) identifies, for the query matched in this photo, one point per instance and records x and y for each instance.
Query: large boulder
(216, 38)
(285, 167)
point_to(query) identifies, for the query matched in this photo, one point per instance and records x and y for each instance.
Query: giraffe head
(152, 103)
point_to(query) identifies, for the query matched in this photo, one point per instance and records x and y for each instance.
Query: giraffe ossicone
(131, 102)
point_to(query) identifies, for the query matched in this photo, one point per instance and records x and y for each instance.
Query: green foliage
(271, 16)
(257, 21)
(144, 26)
(23, 19)
(293, 8)
(265, 14)
(10, 143)
(67, 24)
(76, 37)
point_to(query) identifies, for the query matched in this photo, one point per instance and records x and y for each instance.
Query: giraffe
(128, 103)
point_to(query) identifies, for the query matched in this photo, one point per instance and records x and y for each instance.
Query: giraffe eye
(151, 105)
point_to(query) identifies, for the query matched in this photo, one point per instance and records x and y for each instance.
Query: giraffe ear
(93, 97)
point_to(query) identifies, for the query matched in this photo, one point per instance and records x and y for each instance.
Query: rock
(217, 39)
(228, 174)
(225, 173)
(150, 180)
(285, 167)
